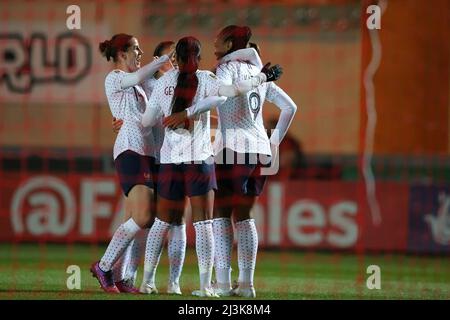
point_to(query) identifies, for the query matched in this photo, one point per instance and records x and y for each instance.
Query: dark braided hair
(239, 36)
(188, 53)
(119, 42)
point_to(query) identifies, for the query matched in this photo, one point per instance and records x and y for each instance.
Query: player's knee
(142, 214)
(243, 212)
(177, 220)
(224, 212)
(241, 216)
(201, 214)
(142, 220)
(164, 216)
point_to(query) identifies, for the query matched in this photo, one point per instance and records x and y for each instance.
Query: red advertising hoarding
(291, 214)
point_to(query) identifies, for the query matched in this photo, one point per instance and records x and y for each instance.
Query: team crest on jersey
(254, 101)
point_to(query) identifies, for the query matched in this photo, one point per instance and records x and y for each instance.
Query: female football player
(187, 167)
(134, 149)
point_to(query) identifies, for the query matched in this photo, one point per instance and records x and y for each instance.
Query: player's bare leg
(155, 240)
(139, 205)
(120, 267)
(125, 269)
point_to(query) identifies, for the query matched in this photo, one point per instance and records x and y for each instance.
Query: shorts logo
(147, 176)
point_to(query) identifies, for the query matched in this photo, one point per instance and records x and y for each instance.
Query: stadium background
(57, 182)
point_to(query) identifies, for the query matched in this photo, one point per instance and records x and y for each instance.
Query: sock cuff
(178, 226)
(247, 221)
(228, 220)
(163, 223)
(203, 222)
(131, 226)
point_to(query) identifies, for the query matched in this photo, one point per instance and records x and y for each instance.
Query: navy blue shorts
(240, 173)
(175, 181)
(133, 169)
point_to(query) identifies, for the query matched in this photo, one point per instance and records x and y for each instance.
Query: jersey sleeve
(113, 82)
(134, 78)
(204, 105)
(211, 84)
(114, 92)
(153, 111)
(247, 54)
(226, 73)
(148, 85)
(288, 108)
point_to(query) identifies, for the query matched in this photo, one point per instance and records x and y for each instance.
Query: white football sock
(155, 241)
(119, 242)
(177, 251)
(204, 245)
(136, 253)
(223, 243)
(120, 267)
(247, 238)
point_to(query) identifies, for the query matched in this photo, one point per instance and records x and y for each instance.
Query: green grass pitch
(38, 271)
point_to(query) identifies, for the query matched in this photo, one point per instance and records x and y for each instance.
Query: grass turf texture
(29, 271)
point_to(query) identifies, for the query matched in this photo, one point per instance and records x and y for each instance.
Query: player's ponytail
(239, 36)
(188, 56)
(110, 48)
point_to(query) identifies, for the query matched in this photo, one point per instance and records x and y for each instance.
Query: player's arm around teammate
(268, 73)
(242, 136)
(133, 155)
(187, 167)
(125, 269)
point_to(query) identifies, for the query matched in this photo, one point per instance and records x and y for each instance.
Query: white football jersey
(157, 129)
(184, 145)
(241, 126)
(128, 105)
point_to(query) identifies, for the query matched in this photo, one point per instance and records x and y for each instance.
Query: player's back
(195, 143)
(240, 118)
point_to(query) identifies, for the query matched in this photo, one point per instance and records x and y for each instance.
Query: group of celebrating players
(167, 164)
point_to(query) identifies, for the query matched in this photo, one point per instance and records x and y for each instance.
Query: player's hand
(175, 120)
(273, 73)
(171, 54)
(116, 125)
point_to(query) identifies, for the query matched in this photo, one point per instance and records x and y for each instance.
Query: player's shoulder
(229, 66)
(113, 74)
(206, 74)
(112, 79)
(150, 81)
(168, 76)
